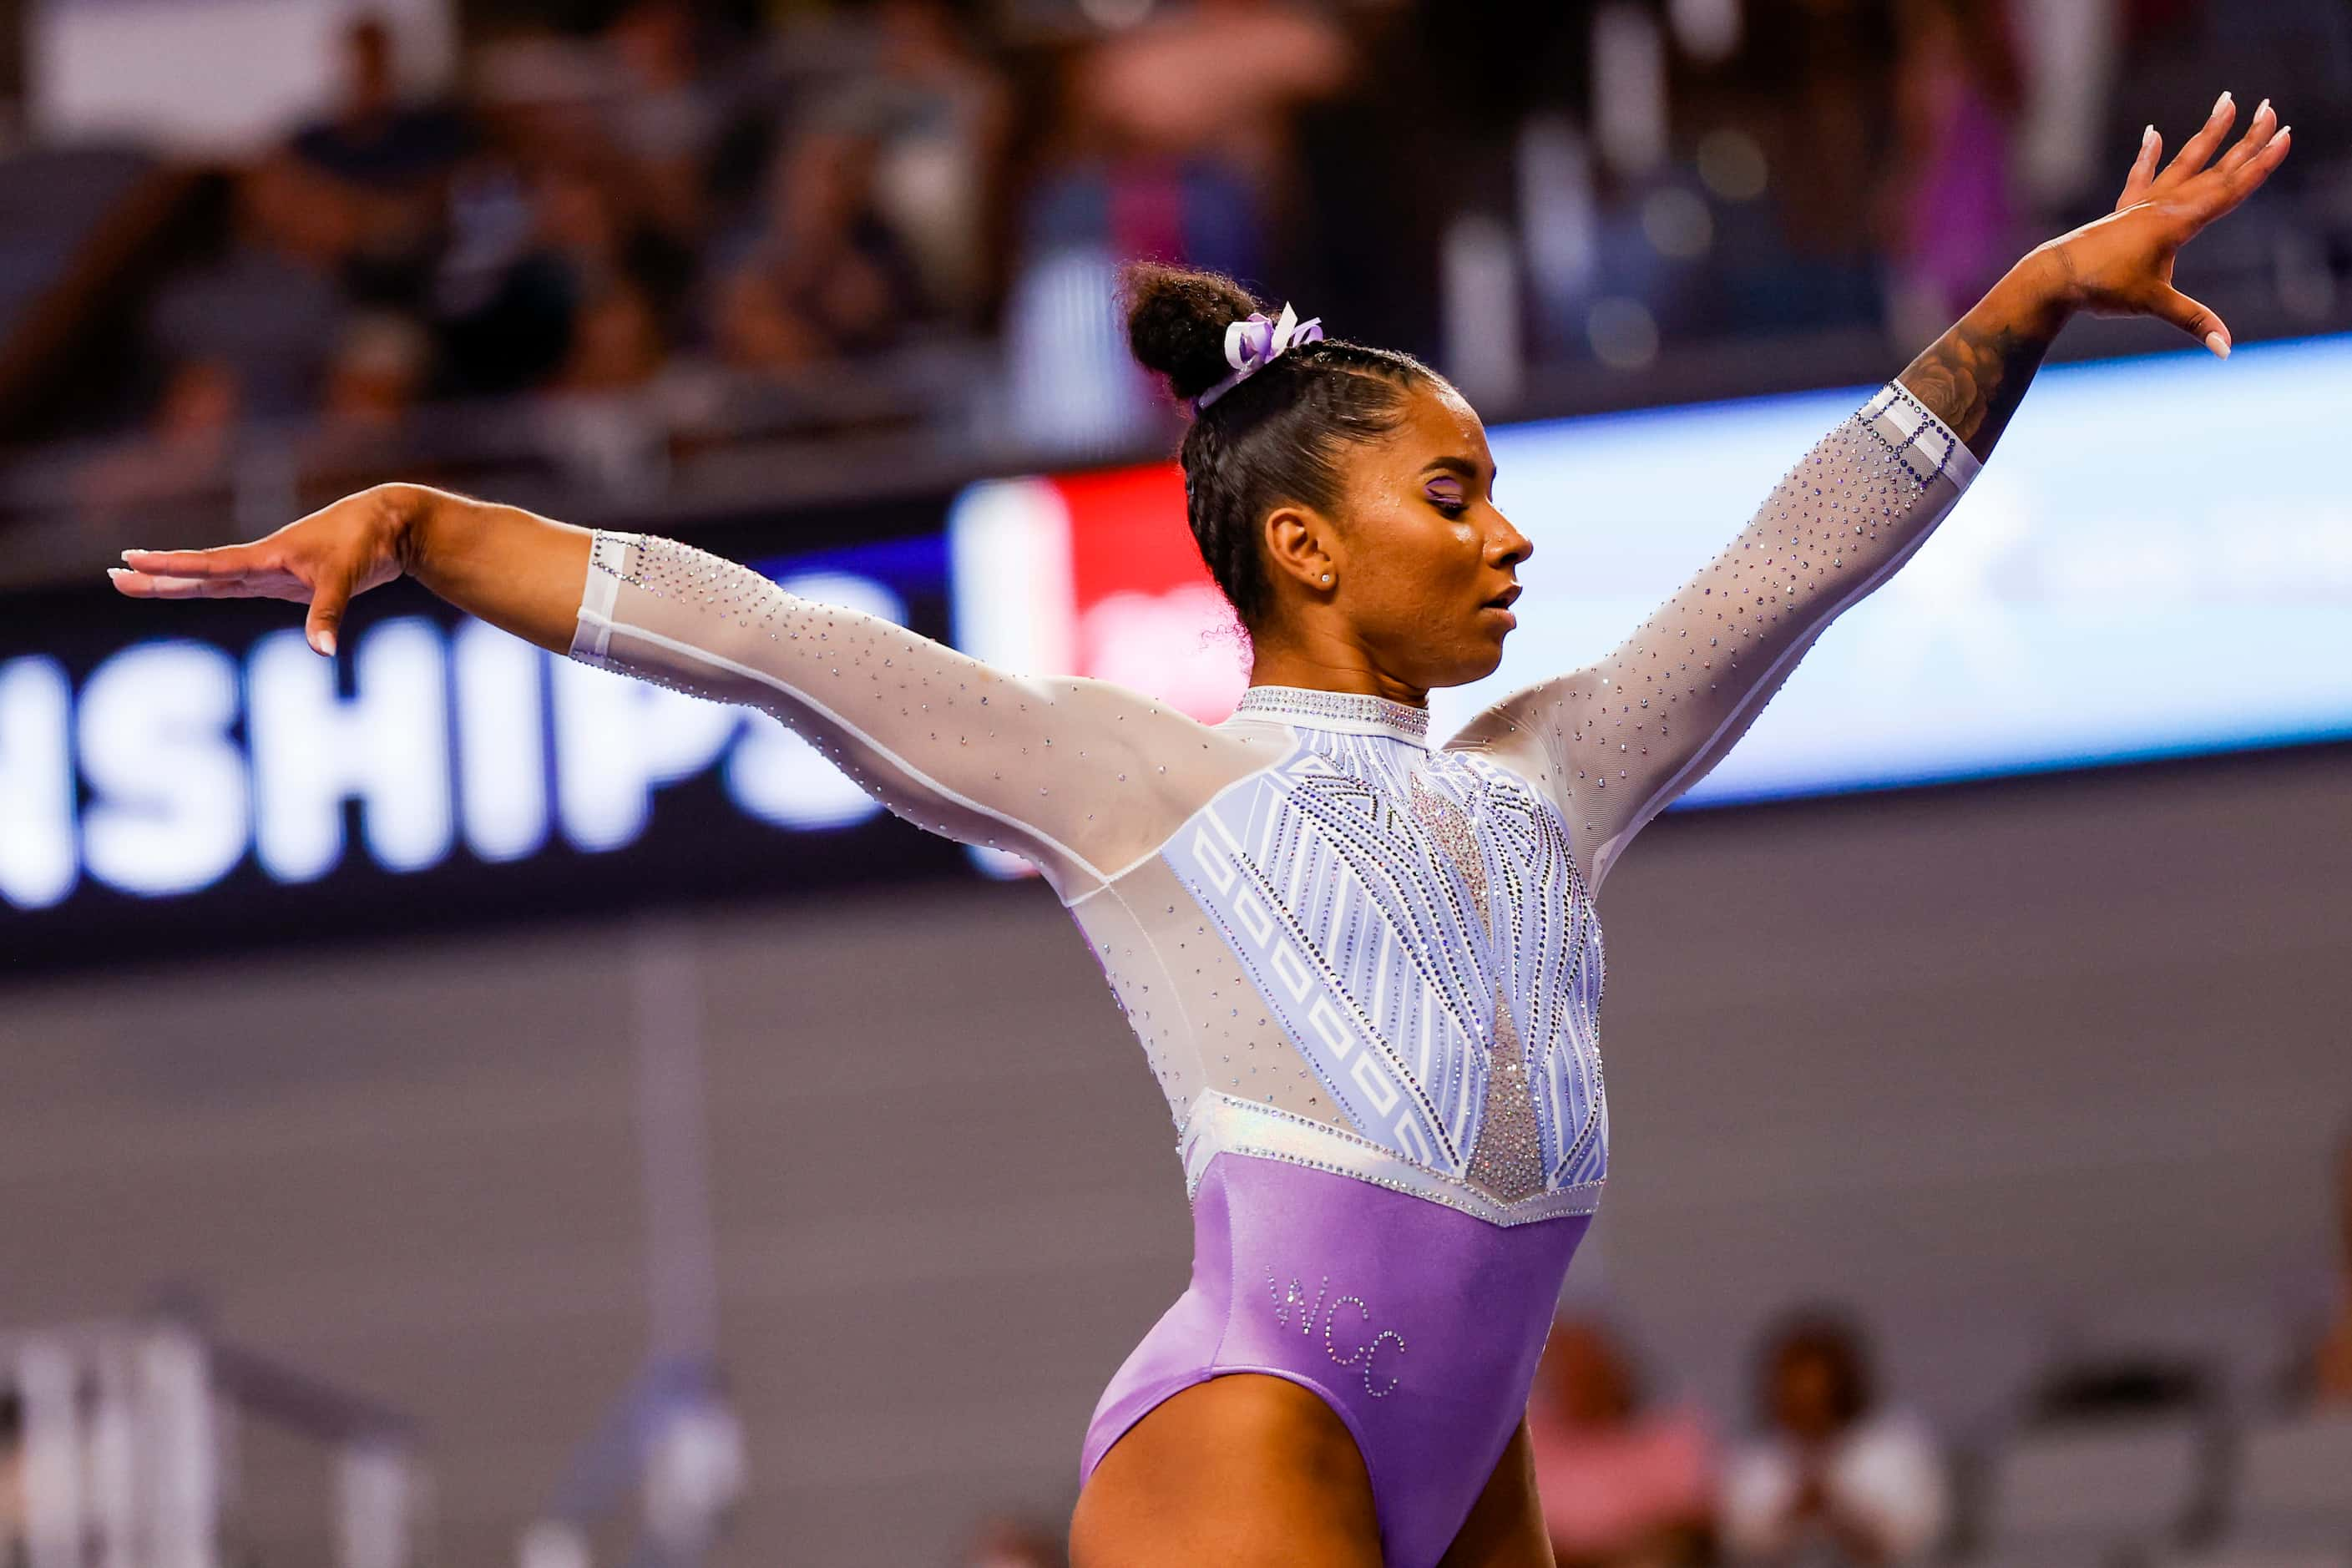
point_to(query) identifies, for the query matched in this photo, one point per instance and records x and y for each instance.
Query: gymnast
(1364, 964)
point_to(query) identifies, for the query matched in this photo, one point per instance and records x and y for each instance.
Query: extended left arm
(1615, 743)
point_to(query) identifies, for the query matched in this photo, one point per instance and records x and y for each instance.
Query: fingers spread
(2256, 169)
(2195, 151)
(2259, 131)
(2227, 191)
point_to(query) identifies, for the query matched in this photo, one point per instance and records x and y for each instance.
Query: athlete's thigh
(1244, 1471)
(1506, 1527)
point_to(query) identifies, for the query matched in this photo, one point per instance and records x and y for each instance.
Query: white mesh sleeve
(1614, 743)
(1077, 774)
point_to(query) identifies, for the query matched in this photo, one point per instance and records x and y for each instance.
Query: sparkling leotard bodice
(1365, 969)
(1373, 956)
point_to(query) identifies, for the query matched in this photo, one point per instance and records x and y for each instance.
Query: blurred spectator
(610, 415)
(927, 130)
(1011, 1543)
(376, 374)
(501, 299)
(826, 277)
(1808, 94)
(363, 187)
(1832, 1477)
(373, 383)
(1624, 1486)
(539, 248)
(190, 442)
(1946, 218)
(263, 308)
(1218, 79)
(662, 118)
(617, 344)
(2331, 1369)
(1178, 134)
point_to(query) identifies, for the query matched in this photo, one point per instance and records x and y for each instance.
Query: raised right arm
(1076, 774)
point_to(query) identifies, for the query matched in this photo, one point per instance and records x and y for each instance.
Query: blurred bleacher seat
(2072, 1497)
(2292, 1484)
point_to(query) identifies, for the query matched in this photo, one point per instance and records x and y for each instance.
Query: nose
(1514, 545)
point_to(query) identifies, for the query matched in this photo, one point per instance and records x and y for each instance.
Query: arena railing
(128, 1435)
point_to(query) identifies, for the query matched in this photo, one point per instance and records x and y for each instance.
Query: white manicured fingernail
(2218, 344)
(120, 572)
(327, 639)
(2221, 100)
(2263, 105)
(128, 554)
(2147, 136)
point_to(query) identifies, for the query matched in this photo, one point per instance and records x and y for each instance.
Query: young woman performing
(1364, 965)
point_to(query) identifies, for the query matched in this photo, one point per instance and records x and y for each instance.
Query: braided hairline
(1212, 495)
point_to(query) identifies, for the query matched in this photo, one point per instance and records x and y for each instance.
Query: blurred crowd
(669, 223)
(1833, 1468)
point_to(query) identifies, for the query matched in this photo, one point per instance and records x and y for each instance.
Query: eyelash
(1449, 505)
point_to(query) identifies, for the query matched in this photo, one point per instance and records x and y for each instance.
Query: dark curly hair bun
(1284, 440)
(1176, 322)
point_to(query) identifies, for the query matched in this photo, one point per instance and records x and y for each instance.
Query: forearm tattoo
(1974, 378)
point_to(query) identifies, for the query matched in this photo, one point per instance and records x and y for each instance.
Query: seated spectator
(931, 121)
(190, 442)
(375, 169)
(1945, 209)
(1623, 1485)
(371, 140)
(1833, 1477)
(1221, 78)
(665, 121)
(826, 278)
(539, 247)
(1177, 138)
(265, 306)
(2331, 1368)
(378, 374)
(608, 419)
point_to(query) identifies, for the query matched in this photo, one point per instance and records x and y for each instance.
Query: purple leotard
(1366, 970)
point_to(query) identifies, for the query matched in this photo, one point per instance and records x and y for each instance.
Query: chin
(1474, 666)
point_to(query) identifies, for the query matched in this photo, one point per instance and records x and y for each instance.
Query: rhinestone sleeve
(1070, 771)
(1614, 743)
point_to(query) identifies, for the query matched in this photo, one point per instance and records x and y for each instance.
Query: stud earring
(1326, 576)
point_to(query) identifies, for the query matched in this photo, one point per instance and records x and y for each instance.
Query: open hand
(2122, 264)
(321, 561)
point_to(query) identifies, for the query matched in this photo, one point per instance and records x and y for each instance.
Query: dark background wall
(2010, 1067)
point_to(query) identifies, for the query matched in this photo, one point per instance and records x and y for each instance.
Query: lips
(1502, 600)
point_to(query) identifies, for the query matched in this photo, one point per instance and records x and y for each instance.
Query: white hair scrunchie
(1253, 345)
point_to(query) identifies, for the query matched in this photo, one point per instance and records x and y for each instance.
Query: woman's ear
(1301, 544)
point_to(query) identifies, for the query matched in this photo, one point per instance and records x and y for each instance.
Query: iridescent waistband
(1219, 1123)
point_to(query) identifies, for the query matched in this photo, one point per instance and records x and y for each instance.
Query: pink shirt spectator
(1608, 1489)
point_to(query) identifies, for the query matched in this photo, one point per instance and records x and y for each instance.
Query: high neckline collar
(1354, 712)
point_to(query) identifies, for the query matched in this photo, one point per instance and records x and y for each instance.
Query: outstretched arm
(1614, 744)
(1076, 774)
